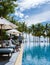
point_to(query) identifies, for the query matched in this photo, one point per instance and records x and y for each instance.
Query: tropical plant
(48, 32)
(22, 27)
(32, 30)
(4, 35)
(38, 30)
(29, 32)
(7, 7)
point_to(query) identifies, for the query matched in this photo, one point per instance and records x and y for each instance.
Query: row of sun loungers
(8, 48)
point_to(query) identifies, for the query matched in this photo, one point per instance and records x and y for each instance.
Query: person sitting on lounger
(10, 42)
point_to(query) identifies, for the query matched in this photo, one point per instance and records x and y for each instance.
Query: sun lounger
(13, 47)
(9, 44)
(6, 51)
(16, 43)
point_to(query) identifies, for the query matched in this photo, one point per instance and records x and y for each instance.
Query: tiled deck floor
(19, 58)
(13, 60)
(4, 59)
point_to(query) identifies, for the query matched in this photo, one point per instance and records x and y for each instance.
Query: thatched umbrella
(13, 32)
(5, 24)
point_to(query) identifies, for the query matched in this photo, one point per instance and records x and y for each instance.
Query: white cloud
(19, 14)
(27, 4)
(26, 16)
(21, 20)
(38, 18)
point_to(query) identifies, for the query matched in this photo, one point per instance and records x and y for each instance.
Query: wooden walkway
(19, 58)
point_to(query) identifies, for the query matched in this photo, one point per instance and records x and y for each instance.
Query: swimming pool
(36, 55)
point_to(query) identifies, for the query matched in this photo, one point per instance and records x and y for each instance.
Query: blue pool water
(36, 55)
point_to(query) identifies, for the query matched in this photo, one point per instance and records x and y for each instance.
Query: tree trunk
(29, 41)
(26, 37)
(44, 40)
(49, 40)
(33, 40)
(23, 36)
(39, 40)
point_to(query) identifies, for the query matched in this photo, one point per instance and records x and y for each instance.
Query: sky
(32, 11)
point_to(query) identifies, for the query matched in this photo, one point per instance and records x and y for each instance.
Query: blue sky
(33, 11)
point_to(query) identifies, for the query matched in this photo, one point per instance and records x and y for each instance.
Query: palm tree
(29, 31)
(22, 27)
(46, 29)
(7, 7)
(32, 30)
(48, 32)
(38, 30)
(26, 31)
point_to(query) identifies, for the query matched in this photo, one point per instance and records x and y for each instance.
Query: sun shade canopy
(5, 24)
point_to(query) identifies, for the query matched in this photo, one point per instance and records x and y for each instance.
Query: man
(20, 39)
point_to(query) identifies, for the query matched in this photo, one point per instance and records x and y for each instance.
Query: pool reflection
(36, 55)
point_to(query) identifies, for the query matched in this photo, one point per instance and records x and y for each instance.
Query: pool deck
(16, 58)
(19, 58)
